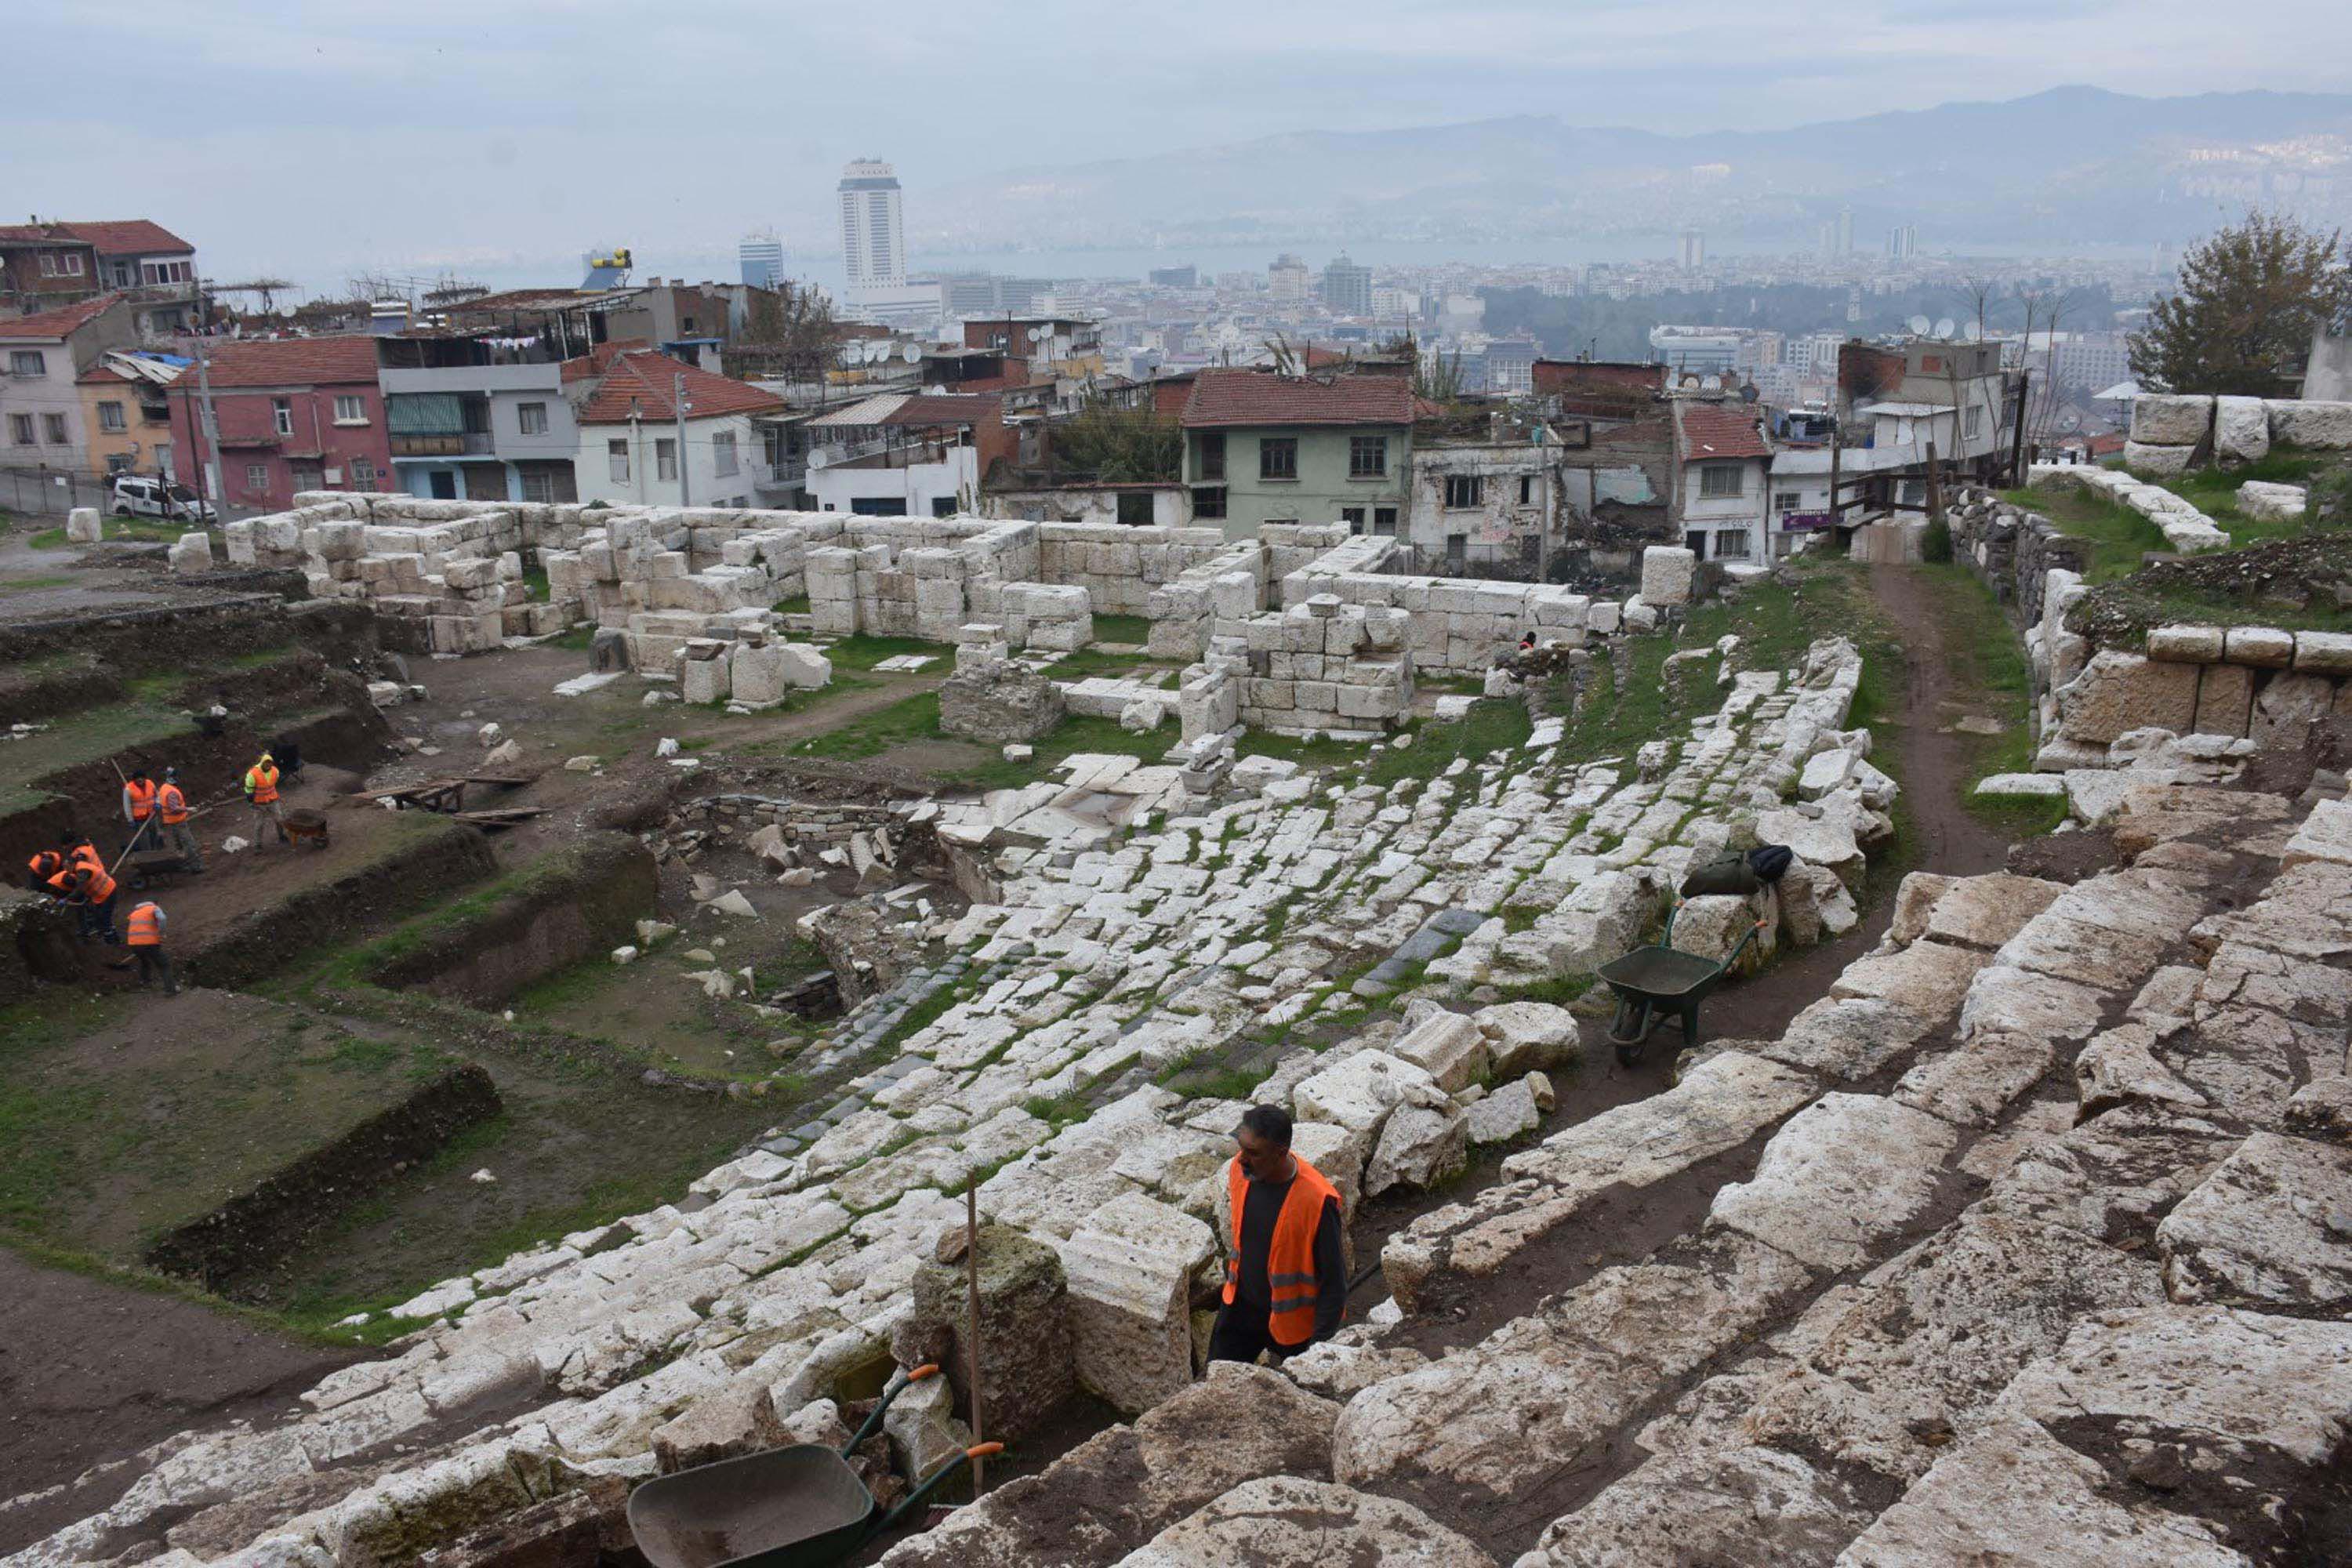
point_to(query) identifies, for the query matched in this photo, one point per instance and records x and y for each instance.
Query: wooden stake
(971, 1334)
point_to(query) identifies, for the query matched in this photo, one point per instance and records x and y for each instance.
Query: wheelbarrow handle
(948, 1467)
(1750, 934)
(897, 1385)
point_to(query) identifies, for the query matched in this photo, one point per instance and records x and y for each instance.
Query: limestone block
(2323, 653)
(1525, 1036)
(1667, 573)
(2264, 1230)
(756, 674)
(2119, 692)
(922, 1428)
(2273, 502)
(84, 526)
(737, 1418)
(2312, 425)
(2166, 462)
(2171, 419)
(1840, 1177)
(2225, 699)
(1505, 1114)
(2286, 708)
(1359, 1092)
(1448, 1046)
(478, 573)
(704, 680)
(191, 553)
(1142, 715)
(1714, 925)
(2262, 648)
(2241, 430)
(1130, 1265)
(1286, 1521)
(2326, 836)
(1604, 617)
(2185, 644)
(1419, 1146)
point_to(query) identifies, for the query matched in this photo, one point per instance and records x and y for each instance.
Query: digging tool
(972, 1313)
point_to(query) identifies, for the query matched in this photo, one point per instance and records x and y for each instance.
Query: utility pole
(678, 406)
(219, 498)
(2017, 440)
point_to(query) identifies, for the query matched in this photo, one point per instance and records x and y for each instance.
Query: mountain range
(2069, 167)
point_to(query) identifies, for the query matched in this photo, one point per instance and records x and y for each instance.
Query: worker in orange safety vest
(143, 934)
(1285, 1278)
(261, 789)
(171, 807)
(92, 888)
(139, 806)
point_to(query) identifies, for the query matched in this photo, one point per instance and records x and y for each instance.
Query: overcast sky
(496, 134)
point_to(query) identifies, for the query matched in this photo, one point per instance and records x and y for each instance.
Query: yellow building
(127, 416)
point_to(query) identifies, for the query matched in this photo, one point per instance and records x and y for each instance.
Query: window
(665, 459)
(1976, 421)
(1212, 454)
(49, 264)
(1464, 492)
(110, 419)
(281, 414)
(1731, 544)
(1384, 520)
(72, 261)
(1353, 516)
(723, 453)
(152, 272)
(1209, 502)
(1722, 479)
(1277, 457)
(1135, 509)
(20, 429)
(306, 475)
(53, 426)
(878, 506)
(27, 361)
(538, 485)
(363, 473)
(1527, 489)
(162, 456)
(257, 475)
(350, 409)
(1787, 501)
(117, 462)
(616, 461)
(531, 417)
(1368, 457)
(943, 506)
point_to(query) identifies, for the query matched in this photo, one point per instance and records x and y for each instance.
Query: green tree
(2248, 300)
(788, 331)
(1120, 445)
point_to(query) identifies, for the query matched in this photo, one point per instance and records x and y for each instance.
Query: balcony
(467, 444)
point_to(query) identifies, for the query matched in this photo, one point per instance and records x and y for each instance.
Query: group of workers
(76, 874)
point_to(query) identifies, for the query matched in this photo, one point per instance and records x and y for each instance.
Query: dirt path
(92, 1372)
(1934, 758)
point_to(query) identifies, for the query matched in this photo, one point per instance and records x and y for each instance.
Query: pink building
(295, 414)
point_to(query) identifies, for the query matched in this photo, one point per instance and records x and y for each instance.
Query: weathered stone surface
(2225, 699)
(1523, 1036)
(2265, 647)
(1912, 1355)
(2271, 1228)
(1283, 1521)
(1025, 1359)
(1846, 1172)
(1668, 573)
(999, 702)
(1971, 1084)
(2119, 692)
(2326, 835)
(1448, 1046)
(1928, 978)
(1115, 1491)
(2120, 1066)
(84, 525)
(2004, 999)
(1848, 1038)
(1130, 1267)
(2199, 1376)
(2014, 1494)
(1420, 1146)
(2242, 429)
(2171, 419)
(1359, 1092)
(2323, 653)
(1985, 912)
(2163, 462)
(2326, 427)
(1505, 1114)
(1741, 1507)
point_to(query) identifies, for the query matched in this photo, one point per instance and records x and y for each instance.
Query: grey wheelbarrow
(796, 1507)
(1654, 983)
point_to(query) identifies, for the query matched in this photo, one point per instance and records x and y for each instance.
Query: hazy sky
(496, 134)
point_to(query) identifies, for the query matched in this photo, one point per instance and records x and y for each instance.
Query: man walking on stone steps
(1286, 1282)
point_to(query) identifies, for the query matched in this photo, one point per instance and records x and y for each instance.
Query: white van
(136, 495)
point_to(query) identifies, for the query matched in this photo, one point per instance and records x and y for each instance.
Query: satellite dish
(1918, 325)
(1947, 328)
(911, 355)
(1972, 332)
(1037, 334)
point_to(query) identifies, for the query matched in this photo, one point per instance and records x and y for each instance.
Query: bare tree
(1979, 293)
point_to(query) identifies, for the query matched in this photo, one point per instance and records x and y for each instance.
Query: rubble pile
(1137, 932)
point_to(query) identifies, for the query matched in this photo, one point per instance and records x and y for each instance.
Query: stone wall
(2012, 550)
(2174, 431)
(1118, 566)
(2257, 683)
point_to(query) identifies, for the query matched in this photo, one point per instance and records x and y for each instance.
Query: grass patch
(2214, 492)
(578, 639)
(1088, 662)
(2119, 538)
(1982, 652)
(1134, 630)
(864, 652)
(798, 604)
(1561, 990)
(26, 585)
(1493, 724)
(119, 530)
(1307, 751)
(72, 741)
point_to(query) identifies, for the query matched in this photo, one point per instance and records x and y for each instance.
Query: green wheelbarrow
(1653, 982)
(795, 1507)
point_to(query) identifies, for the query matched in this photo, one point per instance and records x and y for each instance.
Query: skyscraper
(873, 232)
(1846, 231)
(1347, 288)
(762, 257)
(1693, 250)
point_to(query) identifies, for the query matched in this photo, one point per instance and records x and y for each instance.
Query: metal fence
(50, 492)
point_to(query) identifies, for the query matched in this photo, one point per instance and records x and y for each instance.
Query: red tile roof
(123, 236)
(293, 362)
(58, 323)
(927, 408)
(644, 378)
(599, 360)
(1244, 398)
(1713, 430)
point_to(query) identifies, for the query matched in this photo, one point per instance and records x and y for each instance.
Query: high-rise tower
(872, 230)
(761, 258)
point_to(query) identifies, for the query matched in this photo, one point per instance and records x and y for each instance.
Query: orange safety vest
(1290, 1255)
(62, 882)
(173, 803)
(262, 783)
(45, 865)
(96, 887)
(86, 854)
(145, 928)
(142, 797)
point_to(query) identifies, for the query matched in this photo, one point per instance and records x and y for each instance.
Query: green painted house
(1261, 448)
